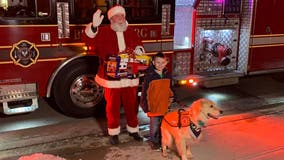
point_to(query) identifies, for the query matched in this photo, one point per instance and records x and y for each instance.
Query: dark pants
(155, 129)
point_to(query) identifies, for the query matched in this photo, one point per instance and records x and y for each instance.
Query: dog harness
(181, 118)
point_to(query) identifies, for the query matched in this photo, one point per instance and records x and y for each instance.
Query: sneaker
(114, 140)
(136, 136)
(155, 146)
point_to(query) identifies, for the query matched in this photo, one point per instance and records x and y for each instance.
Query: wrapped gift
(127, 66)
(112, 66)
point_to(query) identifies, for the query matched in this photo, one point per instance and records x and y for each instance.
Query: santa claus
(111, 40)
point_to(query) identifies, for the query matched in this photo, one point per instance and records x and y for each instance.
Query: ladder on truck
(18, 98)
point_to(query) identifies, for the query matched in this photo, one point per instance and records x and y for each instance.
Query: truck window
(141, 9)
(83, 10)
(24, 8)
(137, 11)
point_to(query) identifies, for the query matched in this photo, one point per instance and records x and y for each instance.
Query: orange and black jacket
(156, 92)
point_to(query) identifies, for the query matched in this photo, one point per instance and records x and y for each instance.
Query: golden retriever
(183, 127)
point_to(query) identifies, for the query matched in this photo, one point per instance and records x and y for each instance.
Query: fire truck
(208, 42)
(43, 55)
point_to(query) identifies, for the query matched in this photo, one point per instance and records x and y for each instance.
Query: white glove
(97, 18)
(139, 50)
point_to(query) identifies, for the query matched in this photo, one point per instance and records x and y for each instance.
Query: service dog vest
(181, 118)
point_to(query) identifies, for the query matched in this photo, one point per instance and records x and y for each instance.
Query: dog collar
(196, 131)
(201, 124)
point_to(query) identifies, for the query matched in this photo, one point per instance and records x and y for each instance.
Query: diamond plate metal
(209, 7)
(245, 35)
(181, 64)
(233, 32)
(225, 31)
(219, 30)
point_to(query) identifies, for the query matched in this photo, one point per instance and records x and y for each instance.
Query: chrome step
(19, 98)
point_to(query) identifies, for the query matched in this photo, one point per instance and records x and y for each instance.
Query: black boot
(155, 146)
(136, 136)
(114, 140)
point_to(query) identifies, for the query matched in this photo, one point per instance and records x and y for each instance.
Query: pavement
(251, 128)
(255, 135)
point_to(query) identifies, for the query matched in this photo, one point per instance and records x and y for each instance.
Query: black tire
(75, 91)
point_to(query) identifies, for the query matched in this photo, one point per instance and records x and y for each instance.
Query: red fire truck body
(229, 39)
(267, 37)
(212, 42)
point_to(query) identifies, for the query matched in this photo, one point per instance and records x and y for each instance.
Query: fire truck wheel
(75, 91)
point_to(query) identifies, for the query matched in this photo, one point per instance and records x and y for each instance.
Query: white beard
(119, 27)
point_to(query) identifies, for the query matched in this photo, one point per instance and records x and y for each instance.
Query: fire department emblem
(24, 53)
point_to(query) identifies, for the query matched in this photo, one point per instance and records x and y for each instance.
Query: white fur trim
(131, 129)
(122, 83)
(120, 41)
(89, 31)
(116, 10)
(113, 131)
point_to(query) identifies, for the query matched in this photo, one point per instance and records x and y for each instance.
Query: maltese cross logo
(24, 53)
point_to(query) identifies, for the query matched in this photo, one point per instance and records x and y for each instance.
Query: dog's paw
(164, 151)
(164, 154)
(190, 156)
(184, 158)
(187, 157)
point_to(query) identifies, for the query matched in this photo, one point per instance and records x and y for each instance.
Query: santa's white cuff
(122, 83)
(113, 131)
(89, 31)
(132, 129)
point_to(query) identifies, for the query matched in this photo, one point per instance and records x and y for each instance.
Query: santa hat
(116, 10)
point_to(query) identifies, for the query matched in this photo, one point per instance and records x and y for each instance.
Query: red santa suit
(116, 91)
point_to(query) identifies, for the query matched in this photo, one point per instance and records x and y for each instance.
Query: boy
(157, 94)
